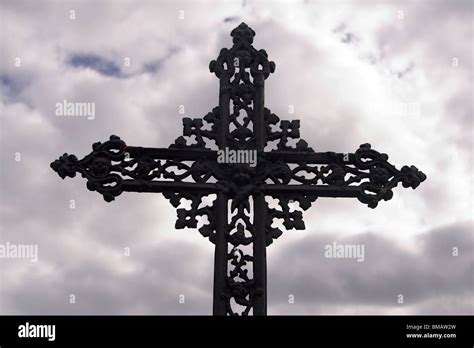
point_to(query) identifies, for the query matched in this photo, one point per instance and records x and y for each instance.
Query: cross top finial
(242, 33)
(242, 56)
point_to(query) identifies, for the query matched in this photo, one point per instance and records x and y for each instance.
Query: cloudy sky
(345, 67)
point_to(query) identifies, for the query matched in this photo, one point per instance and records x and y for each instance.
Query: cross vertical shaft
(260, 206)
(220, 258)
(242, 71)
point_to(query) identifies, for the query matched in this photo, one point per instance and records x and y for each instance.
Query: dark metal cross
(230, 201)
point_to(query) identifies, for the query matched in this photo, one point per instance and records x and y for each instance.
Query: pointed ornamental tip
(242, 33)
(243, 54)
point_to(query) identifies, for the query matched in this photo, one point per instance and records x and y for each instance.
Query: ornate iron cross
(228, 200)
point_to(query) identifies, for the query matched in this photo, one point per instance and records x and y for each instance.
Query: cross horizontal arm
(168, 186)
(190, 154)
(317, 190)
(365, 174)
(310, 157)
(113, 167)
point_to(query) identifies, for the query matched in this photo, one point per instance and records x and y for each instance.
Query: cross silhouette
(229, 202)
